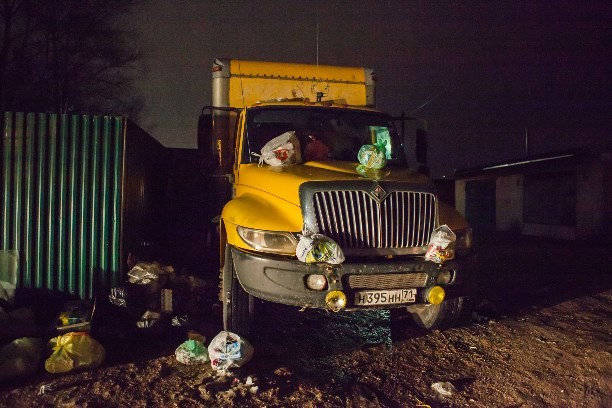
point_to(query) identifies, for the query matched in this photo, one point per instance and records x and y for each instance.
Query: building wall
(572, 202)
(590, 200)
(509, 203)
(460, 196)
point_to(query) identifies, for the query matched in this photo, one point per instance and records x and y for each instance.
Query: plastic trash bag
(73, 351)
(372, 174)
(118, 296)
(9, 267)
(147, 273)
(283, 150)
(21, 357)
(227, 350)
(373, 156)
(318, 248)
(76, 315)
(7, 292)
(444, 389)
(16, 324)
(148, 319)
(441, 246)
(180, 321)
(192, 352)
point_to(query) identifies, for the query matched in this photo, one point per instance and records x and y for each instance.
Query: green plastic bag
(192, 352)
(373, 156)
(73, 351)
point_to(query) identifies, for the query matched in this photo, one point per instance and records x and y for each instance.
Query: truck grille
(355, 219)
(389, 281)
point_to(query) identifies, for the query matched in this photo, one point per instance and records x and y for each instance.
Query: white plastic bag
(441, 245)
(229, 350)
(283, 150)
(148, 319)
(318, 248)
(9, 264)
(444, 389)
(146, 273)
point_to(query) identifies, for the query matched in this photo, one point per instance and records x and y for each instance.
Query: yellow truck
(382, 220)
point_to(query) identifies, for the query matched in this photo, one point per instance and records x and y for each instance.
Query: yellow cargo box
(241, 83)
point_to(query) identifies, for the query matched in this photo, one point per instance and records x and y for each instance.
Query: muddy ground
(540, 336)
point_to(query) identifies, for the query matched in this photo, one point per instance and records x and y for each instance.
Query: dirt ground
(539, 336)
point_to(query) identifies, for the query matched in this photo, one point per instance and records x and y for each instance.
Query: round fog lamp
(316, 282)
(335, 300)
(444, 278)
(435, 296)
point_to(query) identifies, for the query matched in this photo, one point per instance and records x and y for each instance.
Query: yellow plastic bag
(318, 248)
(72, 351)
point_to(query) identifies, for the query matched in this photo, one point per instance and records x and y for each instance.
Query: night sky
(481, 73)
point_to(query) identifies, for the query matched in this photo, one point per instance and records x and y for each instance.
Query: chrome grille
(389, 281)
(354, 219)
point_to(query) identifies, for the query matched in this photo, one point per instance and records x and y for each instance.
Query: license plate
(384, 297)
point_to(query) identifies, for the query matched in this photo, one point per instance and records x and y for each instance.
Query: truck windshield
(323, 133)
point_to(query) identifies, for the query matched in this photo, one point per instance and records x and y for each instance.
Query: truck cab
(382, 219)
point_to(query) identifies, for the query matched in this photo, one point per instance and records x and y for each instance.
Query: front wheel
(238, 305)
(444, 315)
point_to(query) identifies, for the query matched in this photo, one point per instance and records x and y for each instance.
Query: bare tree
(68, 55)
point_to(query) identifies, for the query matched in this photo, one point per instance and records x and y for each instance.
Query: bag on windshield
(283, 150)
(373, 156)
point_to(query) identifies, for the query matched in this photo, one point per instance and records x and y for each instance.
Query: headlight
(276, 242)
(464, 239)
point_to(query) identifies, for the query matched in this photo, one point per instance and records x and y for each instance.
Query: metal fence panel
(61, 199)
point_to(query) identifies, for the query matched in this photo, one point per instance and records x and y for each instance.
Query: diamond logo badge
(379, 193)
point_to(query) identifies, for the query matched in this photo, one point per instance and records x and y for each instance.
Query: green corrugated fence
(61, 202)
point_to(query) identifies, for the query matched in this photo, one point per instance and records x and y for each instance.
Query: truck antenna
(424, 104)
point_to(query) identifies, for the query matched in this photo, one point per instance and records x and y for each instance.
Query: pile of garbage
(154, 297)
(72, 348)
(158, 297)
(226, 350)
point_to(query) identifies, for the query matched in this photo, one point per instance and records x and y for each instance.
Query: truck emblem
(379, 193)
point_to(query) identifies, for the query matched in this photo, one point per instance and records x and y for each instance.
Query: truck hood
(284, 182)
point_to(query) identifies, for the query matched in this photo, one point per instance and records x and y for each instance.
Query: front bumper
(283, 280)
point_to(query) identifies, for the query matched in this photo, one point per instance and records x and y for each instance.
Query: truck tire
(238, 305)
(442, 316)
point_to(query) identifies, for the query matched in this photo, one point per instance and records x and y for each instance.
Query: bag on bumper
(318, 248)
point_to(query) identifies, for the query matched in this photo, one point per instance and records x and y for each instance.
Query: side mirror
(206, 151)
